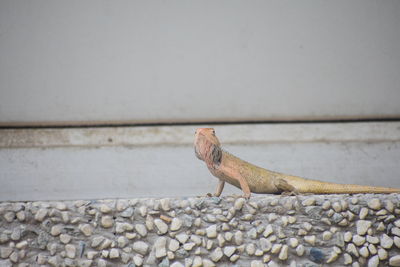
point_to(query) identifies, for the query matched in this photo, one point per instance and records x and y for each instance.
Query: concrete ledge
(183, 135)
(97, 163)
(333, 230)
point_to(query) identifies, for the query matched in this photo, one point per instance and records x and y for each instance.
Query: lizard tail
(317, 187)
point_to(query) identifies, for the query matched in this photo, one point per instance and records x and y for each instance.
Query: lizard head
(205, 144)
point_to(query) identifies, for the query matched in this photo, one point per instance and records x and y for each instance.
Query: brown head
(207, 146)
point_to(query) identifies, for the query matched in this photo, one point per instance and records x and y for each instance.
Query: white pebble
(300, 250)
(373, 261)
(310, 239)
(374, 204)
(159, 246)
(386, 241)
(363, 226)
(216, 255)
(176, 224)
(283, 255)
(211, 231)
(161, 226)
(293, 242)
(141, 229)
(229, 250)
(394, 261)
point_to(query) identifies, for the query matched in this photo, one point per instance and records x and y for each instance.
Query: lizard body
(251, 178)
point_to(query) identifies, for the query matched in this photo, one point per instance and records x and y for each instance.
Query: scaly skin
(251, 178)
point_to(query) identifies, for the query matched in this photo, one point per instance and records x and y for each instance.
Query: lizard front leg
(235, 174)
(220, 187)
(245, 187)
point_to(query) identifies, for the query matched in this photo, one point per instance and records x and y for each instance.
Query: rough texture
(207, 231)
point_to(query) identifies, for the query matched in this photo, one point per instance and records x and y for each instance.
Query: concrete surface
(154, 61)
(154, 170)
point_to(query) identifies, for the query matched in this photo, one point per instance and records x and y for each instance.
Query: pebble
(197, 262)
(161, 226)
(65, 238)
(347, 259)
(182, 238)
(308, 201)
(256, 263)
(114, 253)
(382, 254)
(21, 216)
(364, 252)
(140, 247)
(22, 244)
(239, 203)
(326, 235)
(374, 204)
(300, 250)
(293, 242)
(86, 229)
(363, 226)
(326, 205)
(386, 241)
(252, 233)
(373, 261)
(276, 248)
(234, 257)
(122, 241)
(56, 229)
(396, 241)
(5, 252)
(348, 236)
(41, 215)
(250, 249)
(351, 249)
(358, 240)
(394, 261)
(229, 250)
(208, 263)
(268, 231)
(363, 213)
(332, 257)
(138, 260)
(189, 246)
(216, 255)
(310, 239)
(177, 264)
(337, 207)
(159, 246)
(372, 249)
(265, 244)
(211, 231)
(96, 241)
(396, 231)
(107, 221)
(70, 251)
(283, 254)
(141, 229)
(176, 224)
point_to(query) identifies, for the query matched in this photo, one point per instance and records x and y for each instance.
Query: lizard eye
(213, 132)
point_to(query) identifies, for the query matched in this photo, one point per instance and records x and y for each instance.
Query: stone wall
(334, 230)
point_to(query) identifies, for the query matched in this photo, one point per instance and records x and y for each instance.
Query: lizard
(253, 179)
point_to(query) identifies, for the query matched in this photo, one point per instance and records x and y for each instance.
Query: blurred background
(101, 98)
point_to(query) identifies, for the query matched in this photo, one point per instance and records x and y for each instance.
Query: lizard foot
(289, 193)
(246, 196)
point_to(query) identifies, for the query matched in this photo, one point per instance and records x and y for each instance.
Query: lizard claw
(246, 196)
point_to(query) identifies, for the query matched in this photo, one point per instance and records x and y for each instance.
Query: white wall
(155, 61)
